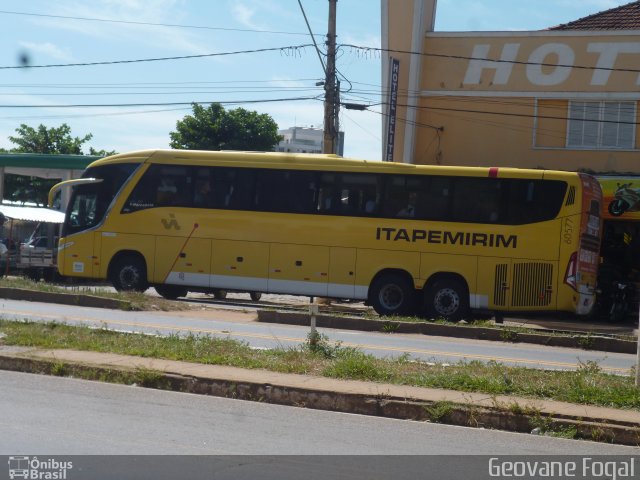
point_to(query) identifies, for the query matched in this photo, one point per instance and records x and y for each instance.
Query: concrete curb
(585, 342)
(348, 400)
(81, 300)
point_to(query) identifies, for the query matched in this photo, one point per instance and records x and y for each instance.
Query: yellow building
(564, 98)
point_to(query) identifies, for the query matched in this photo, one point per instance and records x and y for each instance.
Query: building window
(602, 125)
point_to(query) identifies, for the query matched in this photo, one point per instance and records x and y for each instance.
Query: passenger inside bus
(203, 191)
(410, 210)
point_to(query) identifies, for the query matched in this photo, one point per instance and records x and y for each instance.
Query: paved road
(61, 416)
(241, 326)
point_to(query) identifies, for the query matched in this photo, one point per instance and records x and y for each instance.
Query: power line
(103, 94)
(293, 48)
(128, 22)
(91, 115)
(511, 114)
(148, 84)
(313, 38)
(514, 62)
(167, 104)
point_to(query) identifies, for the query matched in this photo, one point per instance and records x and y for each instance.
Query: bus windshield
(90, 202)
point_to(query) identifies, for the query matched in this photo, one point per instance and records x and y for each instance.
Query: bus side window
(166, 192)
(478, 200)
(434, 200)
(395, 198)
(241, 193)
(302, 192)
(174, 188)
(144, 193)
(328, 194)
(219, 187)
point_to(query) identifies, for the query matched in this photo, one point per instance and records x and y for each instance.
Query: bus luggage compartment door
(240, 265)
(342, 272)
(299, 269)
(180, 262)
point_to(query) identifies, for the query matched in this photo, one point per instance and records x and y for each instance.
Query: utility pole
(331, 87)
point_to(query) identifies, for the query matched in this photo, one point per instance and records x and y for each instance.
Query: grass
(587, 385)
(390, 324)
(129, 300)
(508, 333)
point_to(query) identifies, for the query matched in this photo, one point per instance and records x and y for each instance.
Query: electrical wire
(513, 62)
(313, 38)
(199, 102)
(174, 25)
(161, 59)
(146, 84)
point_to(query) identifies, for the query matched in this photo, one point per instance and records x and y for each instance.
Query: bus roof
(310, 161)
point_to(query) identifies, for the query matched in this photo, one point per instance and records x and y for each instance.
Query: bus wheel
(129, 274)
(392, 294)
(447, 298)
(171, 292)
(255, 296)
(219, 294)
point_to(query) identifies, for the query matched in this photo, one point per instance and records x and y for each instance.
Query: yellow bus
(406, 239)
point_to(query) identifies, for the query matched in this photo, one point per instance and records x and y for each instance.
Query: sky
(127, 104)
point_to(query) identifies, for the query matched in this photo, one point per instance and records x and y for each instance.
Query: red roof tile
(625, 17)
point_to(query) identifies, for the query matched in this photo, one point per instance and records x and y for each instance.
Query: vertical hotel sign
(394, 73)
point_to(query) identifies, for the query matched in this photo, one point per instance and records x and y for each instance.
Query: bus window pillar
(65, 193)
(1, 184)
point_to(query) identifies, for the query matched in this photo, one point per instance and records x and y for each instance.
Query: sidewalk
(396, 401)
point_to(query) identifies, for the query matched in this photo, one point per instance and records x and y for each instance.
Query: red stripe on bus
(493, 172)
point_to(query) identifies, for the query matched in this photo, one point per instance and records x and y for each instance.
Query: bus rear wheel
(255, 296)
(447, 298)
(219, 294)
(392, 294)
(171, 292)
(129, 274)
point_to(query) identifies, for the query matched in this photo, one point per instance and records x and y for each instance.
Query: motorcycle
(622, 301)
(625, 199)
(616, 296)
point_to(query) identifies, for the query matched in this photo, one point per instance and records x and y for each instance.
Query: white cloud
(150, 11)
(287, 82)
(244, 15)
(48, 49)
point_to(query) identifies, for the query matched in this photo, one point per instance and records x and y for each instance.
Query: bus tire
(392, 294)
(447, 298)
(255, 296)
(171, 292)
(129, 274)
(219, 294)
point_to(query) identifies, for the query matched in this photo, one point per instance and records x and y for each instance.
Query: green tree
(45, 141)
(214, 128)
(48, 140)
